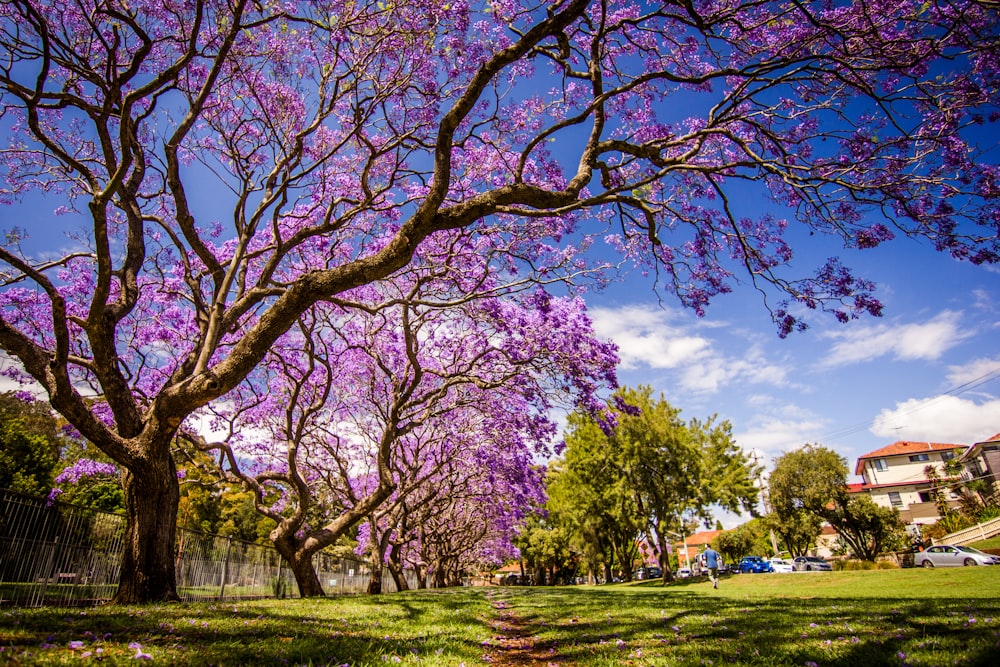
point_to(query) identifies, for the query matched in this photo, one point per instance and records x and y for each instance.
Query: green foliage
(547, 548)
(651, 476)
(209, 504)
(29, 446)
(813, 480)
(748, 539)
(26, 460)
(808, 478)
(868, 528)
(101, 492)
(796, 529)
(737, 543)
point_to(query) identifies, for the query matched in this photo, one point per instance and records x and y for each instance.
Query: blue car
(754, 565)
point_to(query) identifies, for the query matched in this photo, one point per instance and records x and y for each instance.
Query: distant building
(692, 545)
(982, 462)
(827, 543)
(895, 476)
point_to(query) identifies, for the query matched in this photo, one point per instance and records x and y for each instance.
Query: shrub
(854, 564)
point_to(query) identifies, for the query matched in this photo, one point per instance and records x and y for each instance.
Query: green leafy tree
(211, 504)
(796, 528)
(588, 497)
(739, 542)
(27, 459)
(814, 479)
(30, 445)
(678, 471)
(650, 474)
(546, 550)
(868, 528)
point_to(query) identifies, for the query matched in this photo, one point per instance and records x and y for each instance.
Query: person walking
(712, 559)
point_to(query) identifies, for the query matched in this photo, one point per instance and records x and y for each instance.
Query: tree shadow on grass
(676, 626)
(681, 626)
(334, 631)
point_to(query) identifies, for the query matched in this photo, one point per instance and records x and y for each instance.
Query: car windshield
(969, 550)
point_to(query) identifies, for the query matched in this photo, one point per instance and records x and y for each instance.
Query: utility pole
(765, 494)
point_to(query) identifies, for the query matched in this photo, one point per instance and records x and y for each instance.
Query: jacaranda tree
(381, 392)
(224, 165)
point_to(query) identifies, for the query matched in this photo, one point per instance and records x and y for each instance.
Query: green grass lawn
(991, 543)
(879, 617)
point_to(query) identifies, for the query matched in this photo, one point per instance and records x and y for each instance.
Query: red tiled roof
(698, 539)
(995, 438)
(905, 447)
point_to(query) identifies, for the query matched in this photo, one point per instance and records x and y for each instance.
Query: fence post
(225, 568)
(47, 570)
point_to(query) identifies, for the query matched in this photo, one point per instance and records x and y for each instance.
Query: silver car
(810, 564)
(947, 555)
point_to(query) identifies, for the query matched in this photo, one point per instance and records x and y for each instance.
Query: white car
(684, 573)
(782, 566)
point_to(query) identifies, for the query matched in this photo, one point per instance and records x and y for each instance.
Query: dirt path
(514, 644)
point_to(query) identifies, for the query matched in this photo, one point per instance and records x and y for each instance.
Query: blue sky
(927, 370)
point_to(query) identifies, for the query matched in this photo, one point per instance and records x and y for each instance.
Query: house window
(881, 465)
(926, 497)
(895, 499)
(947, 456)
(919, 457)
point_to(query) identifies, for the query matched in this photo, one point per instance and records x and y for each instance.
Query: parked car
(947, 555)
(781, 566)
(684, 573)
(754, 565)
(810, 564)
(645, 573)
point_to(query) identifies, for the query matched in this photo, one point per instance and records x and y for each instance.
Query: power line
(954, 391)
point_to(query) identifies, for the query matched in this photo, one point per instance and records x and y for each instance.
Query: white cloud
(984, 300)
(921, 341)
(775, 434)
(974, 372)
(645, 337)
(944, 418)
(651, 337)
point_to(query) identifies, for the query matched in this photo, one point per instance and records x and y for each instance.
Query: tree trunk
(152, 498)
(664, 557)
(306, 578)
(395, 566)
(301, 565)
(439, 574)
(375, 582)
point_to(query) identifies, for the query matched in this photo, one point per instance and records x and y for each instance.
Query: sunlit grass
(910, 617)
(446, 627)
(877, 617)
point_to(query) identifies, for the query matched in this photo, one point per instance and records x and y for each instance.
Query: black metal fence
(52, 553)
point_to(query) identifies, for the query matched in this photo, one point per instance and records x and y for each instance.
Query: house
(895, 476)
(692, 545)
(982, 462)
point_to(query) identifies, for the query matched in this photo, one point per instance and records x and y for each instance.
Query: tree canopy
(225, 165)
(813, 480)
(29, 445)
(650, 475)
